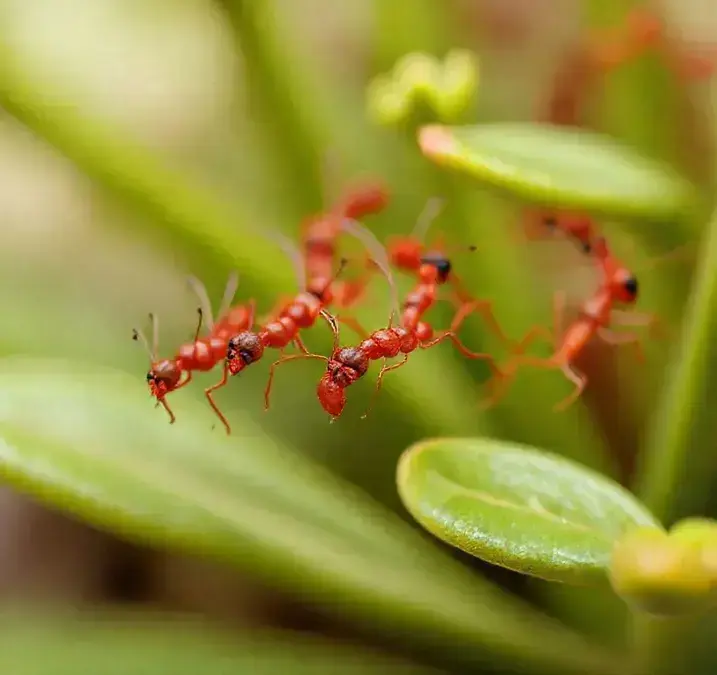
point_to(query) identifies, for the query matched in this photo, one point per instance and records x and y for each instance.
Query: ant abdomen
(424, 332)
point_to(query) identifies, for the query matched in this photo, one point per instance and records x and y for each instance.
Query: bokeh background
(247, 102)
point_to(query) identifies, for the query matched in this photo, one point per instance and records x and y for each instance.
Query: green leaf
(89, 442)
(563, 167)
(109, 644)
(518, 507)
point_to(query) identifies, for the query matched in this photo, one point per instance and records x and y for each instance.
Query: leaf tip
(436, 142)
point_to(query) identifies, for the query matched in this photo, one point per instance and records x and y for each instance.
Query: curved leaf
(105, 644)
(563, 167)
(88, 441)
(518, 507)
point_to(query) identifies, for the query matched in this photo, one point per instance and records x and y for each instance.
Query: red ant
(604, 51)
(319, 236)
(618, 286)
(247, 347)
(410, 254)
(348, 364)
(202, 354)
(578, 227)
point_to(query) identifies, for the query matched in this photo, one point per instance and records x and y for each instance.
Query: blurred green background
(241, 102)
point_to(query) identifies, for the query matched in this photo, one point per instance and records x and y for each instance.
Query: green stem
(180, 210)
(660, 644)
(677, 467)
(278, 82)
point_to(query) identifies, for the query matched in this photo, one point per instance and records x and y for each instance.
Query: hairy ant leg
(209, 394)
(616, 339)
(485, 309)
(379, 381)
(579, 379)
(276, 364)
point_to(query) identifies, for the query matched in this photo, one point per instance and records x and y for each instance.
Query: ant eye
(150, 377)
(631, 286)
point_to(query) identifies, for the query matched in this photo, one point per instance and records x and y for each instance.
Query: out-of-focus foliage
(150, 139)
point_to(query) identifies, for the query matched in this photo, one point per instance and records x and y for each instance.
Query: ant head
(435, 267)
(624, 286)
(331, 395)
(242, 350)
(163, 377)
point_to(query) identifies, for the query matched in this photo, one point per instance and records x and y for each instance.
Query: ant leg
(333, 325)
(209, 391)
(185, 381)
(617, 338)
(354, 325)
(485, 309)
(580, 381)
(379, 380)
(300, 344)
(276, 364)
(650, 321)
(165, 405)
(450, 335)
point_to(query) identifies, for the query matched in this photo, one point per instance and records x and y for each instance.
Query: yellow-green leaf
(518, 507)
(563, 167)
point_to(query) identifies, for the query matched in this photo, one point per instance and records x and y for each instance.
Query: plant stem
(659, 644)
(677, 467)
(280, 97)
(178, 206)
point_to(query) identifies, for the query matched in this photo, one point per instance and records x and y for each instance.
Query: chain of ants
(233, 341)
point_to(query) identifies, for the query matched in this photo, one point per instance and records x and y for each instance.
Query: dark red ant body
(247, 347)
(202, 354)
(348, 364)
(598, 313)
(319, 236)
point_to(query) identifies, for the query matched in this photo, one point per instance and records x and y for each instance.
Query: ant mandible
(348, 364)
(202, 354)
(618, 286)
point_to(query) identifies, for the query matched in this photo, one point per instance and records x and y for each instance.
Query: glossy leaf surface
(117, 645)
(518, 507)
(561, 166)
(89, 442)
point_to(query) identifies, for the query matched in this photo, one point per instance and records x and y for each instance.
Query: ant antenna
(378, 254)
(425, 219)
(155, 335)
(200, 290)
(333, 325)
(139, 336)
(342, 266)
(199, 323)
(293, 253)
(229, 292)
(329, 167)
